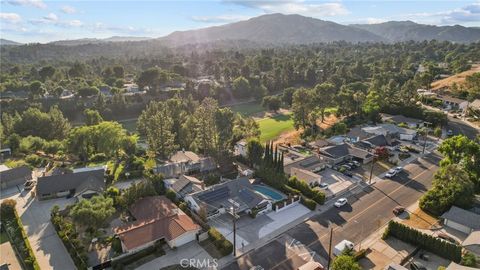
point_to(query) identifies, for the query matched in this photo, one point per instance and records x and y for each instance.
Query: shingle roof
(378, 140)
(186, 184)
(307, 176)
(464, 217)
(342, 150)
(93, 180)
(240, 190)
(157, 218)
(184, 156)
(22, 172)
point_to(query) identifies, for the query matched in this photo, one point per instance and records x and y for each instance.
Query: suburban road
(366, 212)
(458, 127)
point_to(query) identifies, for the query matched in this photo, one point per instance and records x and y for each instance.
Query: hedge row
(310, 204)
(222, 244)
(314, 194)
(69, 236)
(14, 227)
(425, 241)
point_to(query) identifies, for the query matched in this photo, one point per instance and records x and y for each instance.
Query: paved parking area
(250, 229)
(337, 181)
(188, 251)
(47, 246)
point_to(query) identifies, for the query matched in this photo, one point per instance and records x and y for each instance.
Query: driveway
(47, 246)
(191, 252)
(250, 229)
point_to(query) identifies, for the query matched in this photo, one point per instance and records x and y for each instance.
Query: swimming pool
(271, 193)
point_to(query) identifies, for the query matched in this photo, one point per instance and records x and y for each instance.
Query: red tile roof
(157, 218)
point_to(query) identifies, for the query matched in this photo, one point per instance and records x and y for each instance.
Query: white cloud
(52, 17)
(219, 19)
(295, 7)
(75, 23)
(375, 20)
(68, 9)
(31, 3)
(10, 17)
(466, 14)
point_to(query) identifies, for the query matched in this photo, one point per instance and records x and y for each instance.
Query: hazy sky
(43, 21)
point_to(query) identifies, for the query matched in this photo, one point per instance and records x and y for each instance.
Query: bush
(14, 227)
(425, 241)
(306, 190)
(67, 232)
(469, 259)
(310, 204)
(170, 194)
(98, 157)
(222, 244)
(35, 160)
(290, 190)
(360, 255)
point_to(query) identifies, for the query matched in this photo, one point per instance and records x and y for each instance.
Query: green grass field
(248, 109)
(272, 127)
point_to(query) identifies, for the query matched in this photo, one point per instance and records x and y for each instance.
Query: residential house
(14, 177)
(392, 131)
(311, 178)
(377, 141)
(81, 185)
(453, 103)
(475, 105)
(184, 185)
(400, 119)
(311, 163)
(156, 218)
(343, 152)
(185, 162)
(318, 144)
(356, 134)
(218, 199)
(472, 242)
(339, 139)
(461, 220)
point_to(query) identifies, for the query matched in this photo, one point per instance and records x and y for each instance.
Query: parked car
(398, 210)
(348, 173)
(29, 185)
(323, 185)
(417, 266)
(399, 169)
(341, 202)
(449, 132)
(346, 167)
(391, 173)
(356, 163)
(351, 164)
(447, 238)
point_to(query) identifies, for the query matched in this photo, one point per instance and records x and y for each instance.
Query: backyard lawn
(248, 109)
(272, 127)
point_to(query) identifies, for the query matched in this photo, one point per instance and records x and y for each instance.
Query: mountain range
(278, 29)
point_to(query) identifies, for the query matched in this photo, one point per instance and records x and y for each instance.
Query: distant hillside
(8, 42)
(275, 29)
(83, 41)
(406, 30)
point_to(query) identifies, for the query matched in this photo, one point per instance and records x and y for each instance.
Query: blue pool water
(274, 195)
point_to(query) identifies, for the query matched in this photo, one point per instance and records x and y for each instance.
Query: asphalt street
(365, 213)
(458, 127)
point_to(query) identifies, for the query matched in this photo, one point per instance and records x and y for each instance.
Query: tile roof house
(14, 177)
(184, 185)
(185, 162)
(461, 220)
(218, 198)
(82, 185)
(156, 218)
(338, 153)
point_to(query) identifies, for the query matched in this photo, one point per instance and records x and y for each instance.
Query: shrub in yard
(316, 195)
(310, 204)
(222, 244)
(170, 194)
(469, 259)
(289, 190)
(428, 242)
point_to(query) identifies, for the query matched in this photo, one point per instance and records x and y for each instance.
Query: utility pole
(426, 136)
(234, 221)
(330, 248)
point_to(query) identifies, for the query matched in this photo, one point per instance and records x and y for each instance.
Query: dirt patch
(457, 78)
(420, 220)
(292, 137)
(265, 114)
(328, 121)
